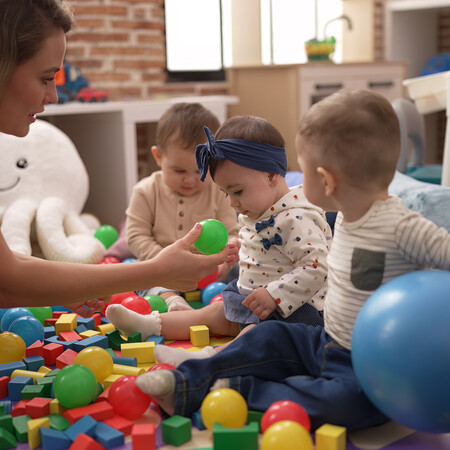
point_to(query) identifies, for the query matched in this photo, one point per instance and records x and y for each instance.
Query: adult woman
(32, 47)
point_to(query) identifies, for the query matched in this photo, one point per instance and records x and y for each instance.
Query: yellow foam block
(108, 381)
(121, 369)
(199, 335)
(66, 322)
(331, 437)
(89, 333)
(193, 296)
(44, 369)
(56, 407)
(142, 351)
(34, 426)
(104, 328)
(27, 373)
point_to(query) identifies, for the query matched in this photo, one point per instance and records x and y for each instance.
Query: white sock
(220, 384)
(176, 356)
(160, 385)
(129, 322)
(177, 303)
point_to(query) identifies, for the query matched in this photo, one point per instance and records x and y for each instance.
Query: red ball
(285, 410)
(162, 366)
(109, 260)
(216, 298)
(118, 298)
(207, 280)
(137, 304)
(127, 399)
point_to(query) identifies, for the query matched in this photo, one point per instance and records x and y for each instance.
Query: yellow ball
(12, 348)
(98, 360)
(286, 435)
(226, 407)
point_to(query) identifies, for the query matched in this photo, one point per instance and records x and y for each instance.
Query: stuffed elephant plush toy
(43, 188)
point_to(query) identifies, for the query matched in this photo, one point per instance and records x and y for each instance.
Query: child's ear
(329, 180)
(156, 155)
(273, 178)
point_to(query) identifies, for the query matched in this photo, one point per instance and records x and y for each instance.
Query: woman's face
(32, 86)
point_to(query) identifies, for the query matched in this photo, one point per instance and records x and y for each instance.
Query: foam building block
(4, 381)
(66, 322)
(97, 341)
(33, 362)
(245, 438)
(108, 436)
(7, 439)
(20, 424)
(85, 442)
(176, 430)
(331, 437)
(38, 407)
(16, 385)
(142, 351)
(34, 427)
(199, 335)
(54, 439)
(86, 425)
(7, 369)
(143, 436)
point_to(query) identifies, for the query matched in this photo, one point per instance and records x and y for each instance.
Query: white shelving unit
(105, 137)
(411, 31)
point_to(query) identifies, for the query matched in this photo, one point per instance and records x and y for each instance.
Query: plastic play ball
(127, 399)
(118, 299)
(207, 280)
(157, 303)
(107, 235)
(224, 406)
(98, 360)
(129, 260)
(137, 304)
(12, 347)
(216, 298)
(161, 366)
(285, 410)
(110, 260)
(28, 328)
(11, 315)
(214, 237)
(75, 386)
(211, 291)
(400, 350)
(41, 313)
(286, 435)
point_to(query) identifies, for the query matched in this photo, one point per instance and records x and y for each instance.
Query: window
(194, 40)
(287, 24)
(198, 34)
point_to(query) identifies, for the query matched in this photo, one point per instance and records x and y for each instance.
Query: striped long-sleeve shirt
(388, 241)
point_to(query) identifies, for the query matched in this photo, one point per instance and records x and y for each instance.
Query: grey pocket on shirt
(367, 269)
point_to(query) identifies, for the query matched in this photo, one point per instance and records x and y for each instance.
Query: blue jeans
(283, 361)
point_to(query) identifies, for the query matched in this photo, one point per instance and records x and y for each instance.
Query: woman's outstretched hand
(183, 268)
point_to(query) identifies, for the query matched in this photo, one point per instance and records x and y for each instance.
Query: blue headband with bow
(250, 154)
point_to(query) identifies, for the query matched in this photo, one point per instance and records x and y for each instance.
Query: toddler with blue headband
(283, 242)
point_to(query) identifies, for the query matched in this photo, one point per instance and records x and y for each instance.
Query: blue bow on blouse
(264, 224)
(275, 240)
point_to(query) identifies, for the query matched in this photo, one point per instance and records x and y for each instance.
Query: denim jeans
(283, 361)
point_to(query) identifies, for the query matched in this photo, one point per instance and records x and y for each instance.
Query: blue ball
(11, 315)
(129, 260)
(211, 291)
(29, 329)
(401, 350)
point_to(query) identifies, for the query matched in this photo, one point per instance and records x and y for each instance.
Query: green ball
(156, 302)
(214, 237)
(41, 313)
(75, 386)
(107, 235)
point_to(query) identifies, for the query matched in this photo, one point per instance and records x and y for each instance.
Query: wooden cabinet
(283, 93)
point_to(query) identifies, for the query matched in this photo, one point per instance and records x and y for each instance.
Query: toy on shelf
(43, 188)
(72, 85)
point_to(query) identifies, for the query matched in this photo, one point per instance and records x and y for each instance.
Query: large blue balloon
(401, 350)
